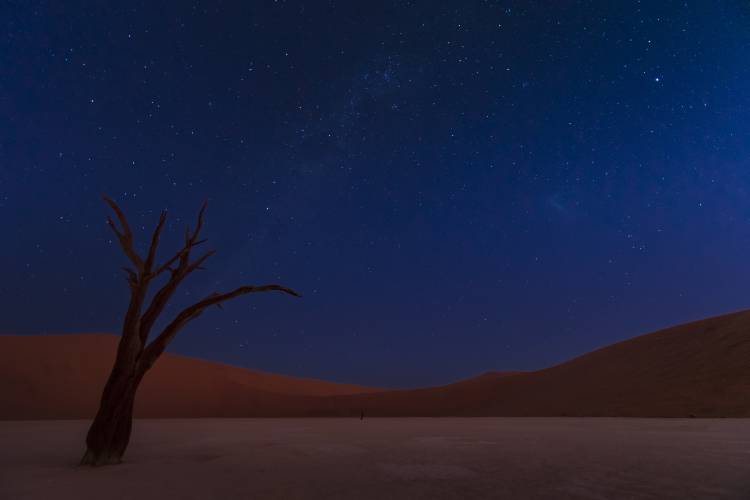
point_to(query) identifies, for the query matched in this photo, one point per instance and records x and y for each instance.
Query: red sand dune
(61, 376)
(700, 369)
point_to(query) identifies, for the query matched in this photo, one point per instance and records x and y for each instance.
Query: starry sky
(454, 187)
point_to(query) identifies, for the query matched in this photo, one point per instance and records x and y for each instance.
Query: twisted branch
(154, 350)
(138, 326)
(125, 236)
(177, 275)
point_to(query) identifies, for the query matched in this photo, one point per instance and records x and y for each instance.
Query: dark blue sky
(454, 187)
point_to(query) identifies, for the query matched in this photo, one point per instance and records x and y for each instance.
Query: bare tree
(109, 433)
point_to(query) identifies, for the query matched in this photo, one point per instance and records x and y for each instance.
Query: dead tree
(109, 433)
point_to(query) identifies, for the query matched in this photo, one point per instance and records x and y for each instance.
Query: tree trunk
(109, 434)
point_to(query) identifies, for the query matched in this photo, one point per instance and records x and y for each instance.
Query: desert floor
(412, 458)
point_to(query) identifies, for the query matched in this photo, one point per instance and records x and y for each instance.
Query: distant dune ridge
(698, 369)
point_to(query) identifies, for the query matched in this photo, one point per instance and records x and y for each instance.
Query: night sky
(454, 187)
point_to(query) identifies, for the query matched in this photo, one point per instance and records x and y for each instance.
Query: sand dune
(697, 369)
(61, 376)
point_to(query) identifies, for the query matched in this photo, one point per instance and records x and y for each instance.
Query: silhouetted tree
(109, 433)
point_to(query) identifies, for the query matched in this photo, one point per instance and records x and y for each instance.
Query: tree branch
(198, 226)
(199, 261)
(132, 276)
(126, 235)
(120, 215)
(155, 242)
(191, 241)
(168, 264)
(137, 327)
(155, 348)
(160, 300)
